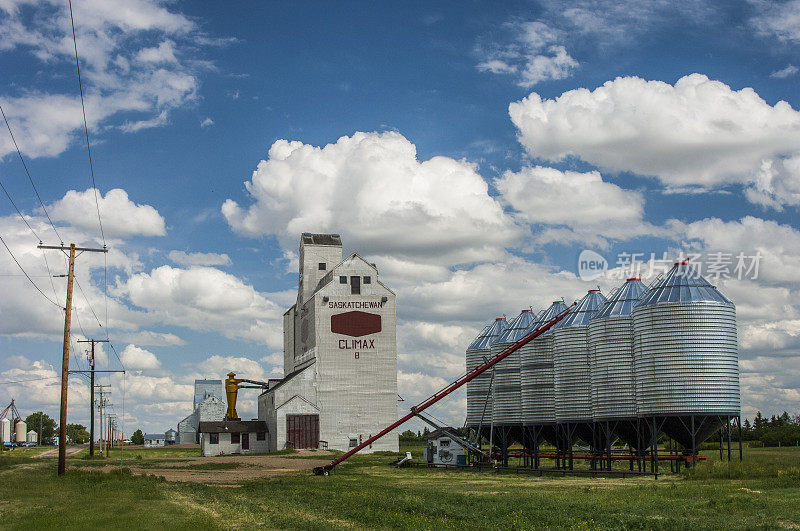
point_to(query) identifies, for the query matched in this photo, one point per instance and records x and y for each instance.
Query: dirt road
(247, 467)
(54, 451)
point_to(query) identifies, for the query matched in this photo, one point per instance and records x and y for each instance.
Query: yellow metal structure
(231, 390)
(232, 386)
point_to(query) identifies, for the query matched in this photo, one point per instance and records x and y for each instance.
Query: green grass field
(762, 492)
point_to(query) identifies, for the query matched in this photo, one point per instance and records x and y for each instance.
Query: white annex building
(209, 405)
(340, 355)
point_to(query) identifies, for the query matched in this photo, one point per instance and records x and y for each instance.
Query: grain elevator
(340, 355)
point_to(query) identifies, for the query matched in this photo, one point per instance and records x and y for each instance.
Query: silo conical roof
(489, 335)
(682, 284)
(622, 301)
(584, 310)
(518, 328)
(548, 315)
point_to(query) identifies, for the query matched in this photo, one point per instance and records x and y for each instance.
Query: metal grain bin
(685, 348)
(20, 431)
(506, 406)
(611, 354)
(538, 394)
(572, 377)
(479, 400)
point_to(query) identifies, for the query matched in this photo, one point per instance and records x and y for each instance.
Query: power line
(91, 166)
(28, 276)
(18, 212)
(98, 322)
(85, 124)
(118, 359)
(29, 177)
(19, 153)
(90, 306)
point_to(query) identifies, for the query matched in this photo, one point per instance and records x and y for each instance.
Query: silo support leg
(694, 447)
(739, 422)
(729, 425)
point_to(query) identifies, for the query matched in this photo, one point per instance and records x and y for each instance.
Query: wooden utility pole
(91, 400)
(100, 411)
(62, 429)
(62, 432)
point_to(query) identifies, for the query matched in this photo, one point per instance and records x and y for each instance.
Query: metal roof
(153, 436)
(682, 284)
(548, 315)
(584, 310)
(321, 239)
(517, 328)
(621, 302)
(489, 335)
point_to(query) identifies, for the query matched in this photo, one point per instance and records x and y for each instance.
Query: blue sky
(472, 149)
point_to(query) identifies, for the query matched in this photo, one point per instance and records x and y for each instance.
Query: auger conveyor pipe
(325, 470)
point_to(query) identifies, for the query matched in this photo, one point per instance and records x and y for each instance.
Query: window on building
(355, 285)
(342, 280)
(353, 442)
(444, 442)
(261, 436)
(213, 438)
(367, 280)
(234, 438)
(322, 266)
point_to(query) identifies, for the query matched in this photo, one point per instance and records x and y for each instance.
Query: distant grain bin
(20, 430)
(5, 431)
(479, 400)
(32, 437)
(572, 376)
(686, 356)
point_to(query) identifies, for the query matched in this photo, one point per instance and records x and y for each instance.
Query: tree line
(47, 430)
(781, 430)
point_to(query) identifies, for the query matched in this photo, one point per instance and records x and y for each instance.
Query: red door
(302, 431)
(245, 441)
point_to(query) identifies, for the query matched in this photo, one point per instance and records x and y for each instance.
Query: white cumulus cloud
(371, 188)
(121, 216)
(698, 132)
(137, 358)
(593, 209)
(205, 299)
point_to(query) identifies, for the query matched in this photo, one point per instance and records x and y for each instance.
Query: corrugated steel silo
(572, 376)
(506, 407)
(611, 354)
(479, 400)
(5, 430)
(32, 437)
(538, 393)
(20, 431)
(686, 356)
